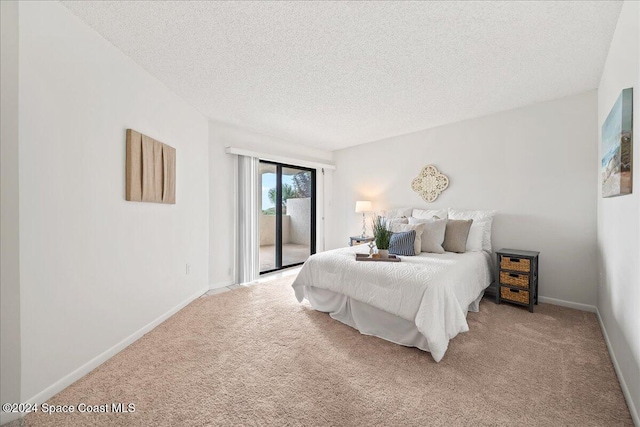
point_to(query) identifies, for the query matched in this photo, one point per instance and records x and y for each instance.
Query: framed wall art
(430, 183)
(150, 170)
(617, 147)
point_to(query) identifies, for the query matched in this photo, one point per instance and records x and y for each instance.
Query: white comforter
(432, 290)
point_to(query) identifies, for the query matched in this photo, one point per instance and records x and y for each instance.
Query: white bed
(420, 302)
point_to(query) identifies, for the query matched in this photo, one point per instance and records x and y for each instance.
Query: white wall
(223, 191)
(9, 215)
(96, 268)
(534, 165)
(619, 217)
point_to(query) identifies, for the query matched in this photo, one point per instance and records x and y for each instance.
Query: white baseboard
(222, 284)
(569, 304)
(7, 417)
(623, 384)
(83, 370)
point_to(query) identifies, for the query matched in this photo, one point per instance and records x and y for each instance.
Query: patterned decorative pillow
(419, 229)
(403, 243)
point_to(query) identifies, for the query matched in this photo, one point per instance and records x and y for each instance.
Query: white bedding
(431, 290)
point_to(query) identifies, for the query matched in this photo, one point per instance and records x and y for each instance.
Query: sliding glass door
(288, 219)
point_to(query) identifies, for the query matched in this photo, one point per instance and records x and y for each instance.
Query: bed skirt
(370, 320)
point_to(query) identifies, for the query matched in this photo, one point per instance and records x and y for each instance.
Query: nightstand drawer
(358, 242)
(514, 295)
(514, 279)
(515, 264)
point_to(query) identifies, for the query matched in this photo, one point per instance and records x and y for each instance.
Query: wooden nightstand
(359, 240)
(517, 277)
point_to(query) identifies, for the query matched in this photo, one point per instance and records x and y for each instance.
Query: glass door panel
(268, 175)
(296, 215)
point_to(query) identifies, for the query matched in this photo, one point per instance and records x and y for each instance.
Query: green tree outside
(301, 188)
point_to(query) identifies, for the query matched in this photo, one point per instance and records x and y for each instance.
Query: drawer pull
(515, 291)
(515, 259)
(514, 275)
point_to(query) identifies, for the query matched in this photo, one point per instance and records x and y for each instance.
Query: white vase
(384, 253)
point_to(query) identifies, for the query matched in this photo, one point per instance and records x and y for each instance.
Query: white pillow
(433, 234)
(396, 220)
(482, 220)
(419, 228)
(476, 236)
(429, 213)
(397, 213)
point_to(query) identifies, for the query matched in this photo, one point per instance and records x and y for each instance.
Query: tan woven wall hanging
(151, 170)
(430, 183)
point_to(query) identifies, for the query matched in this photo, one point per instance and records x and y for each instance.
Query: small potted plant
(381, 234)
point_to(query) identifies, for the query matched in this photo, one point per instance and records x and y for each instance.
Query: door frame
(312, 225)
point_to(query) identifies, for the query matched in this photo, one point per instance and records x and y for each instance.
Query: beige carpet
(254, 356)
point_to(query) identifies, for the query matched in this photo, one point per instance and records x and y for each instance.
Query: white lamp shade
(363, 206)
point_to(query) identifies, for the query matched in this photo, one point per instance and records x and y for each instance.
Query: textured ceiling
(336, 74)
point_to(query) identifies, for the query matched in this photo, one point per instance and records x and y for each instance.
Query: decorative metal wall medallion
(430, 183)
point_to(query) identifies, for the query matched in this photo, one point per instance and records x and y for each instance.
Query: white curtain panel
(248, 217)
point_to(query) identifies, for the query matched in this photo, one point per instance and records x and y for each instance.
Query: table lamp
(363, 206)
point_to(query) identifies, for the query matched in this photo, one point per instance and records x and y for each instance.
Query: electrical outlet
(187, 269)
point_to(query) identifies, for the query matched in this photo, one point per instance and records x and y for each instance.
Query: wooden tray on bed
(366, 257)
